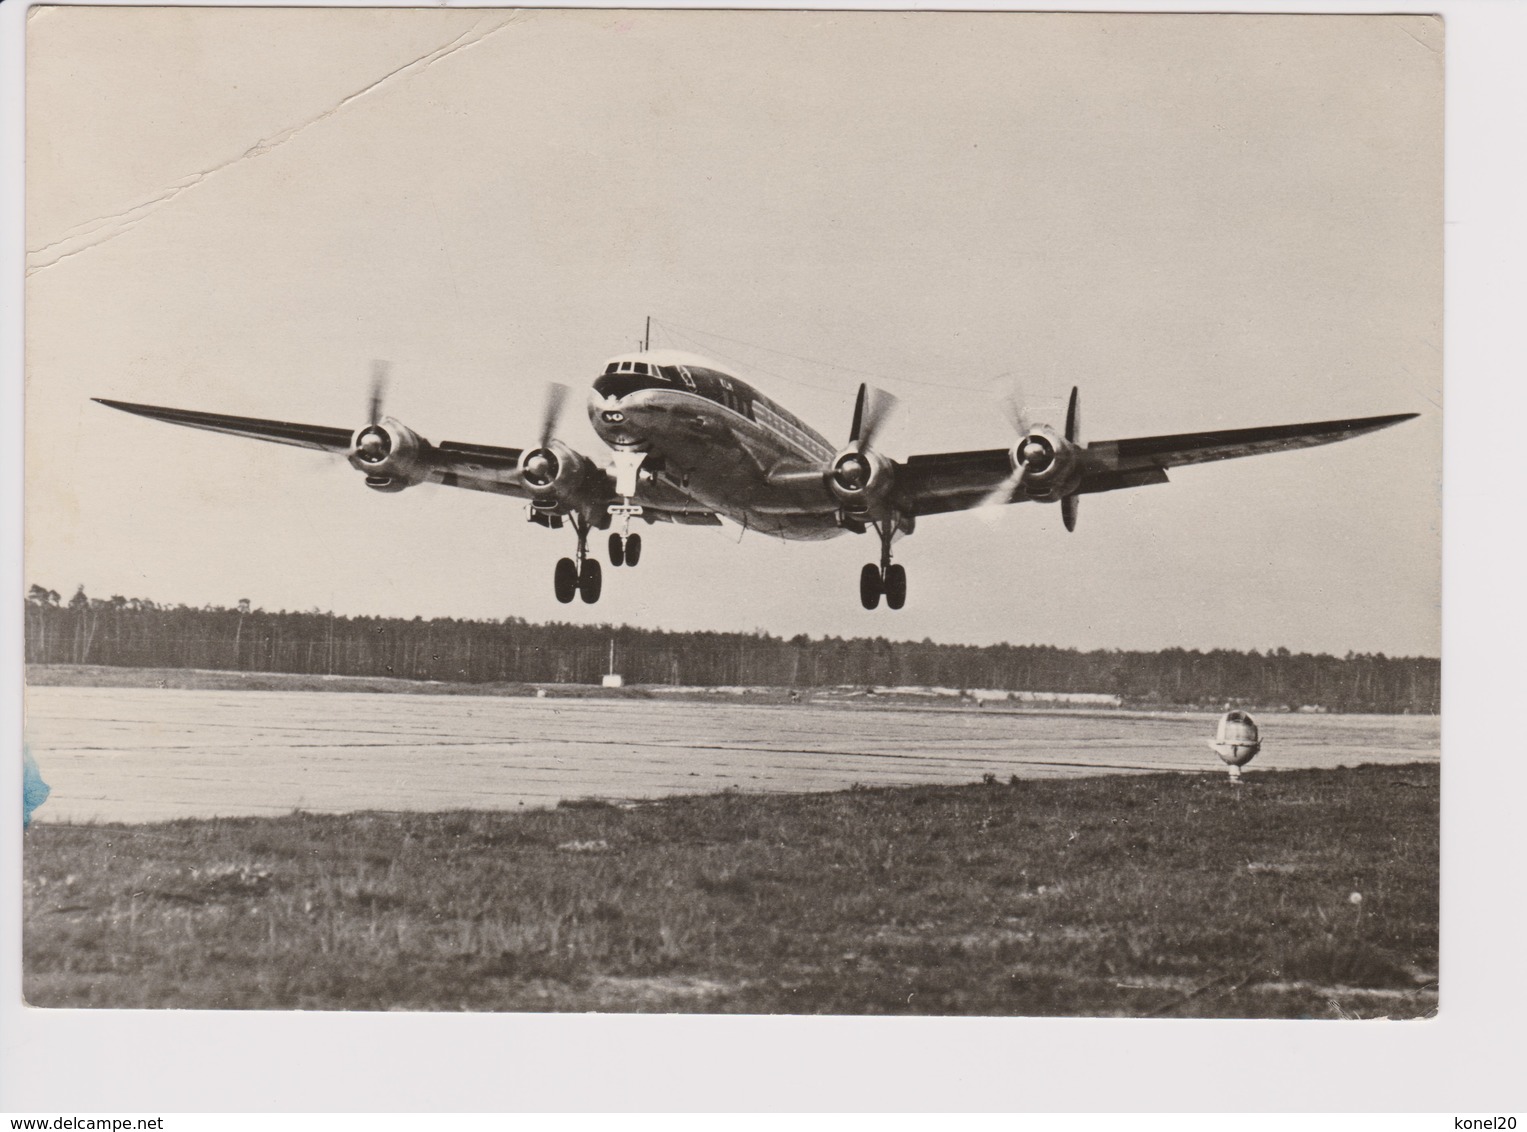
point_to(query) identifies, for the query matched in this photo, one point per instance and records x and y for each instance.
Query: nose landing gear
(625, 547)
(888, 580)
(580, 575)
(625, 550)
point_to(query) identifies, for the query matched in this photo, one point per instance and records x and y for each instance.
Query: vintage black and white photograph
(733, 512)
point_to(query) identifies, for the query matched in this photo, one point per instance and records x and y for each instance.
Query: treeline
(137, 633)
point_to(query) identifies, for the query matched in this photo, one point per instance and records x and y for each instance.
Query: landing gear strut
(626, 548)
(580, 574)
(888, 580)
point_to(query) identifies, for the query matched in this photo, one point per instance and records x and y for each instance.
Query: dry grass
(1151, 895)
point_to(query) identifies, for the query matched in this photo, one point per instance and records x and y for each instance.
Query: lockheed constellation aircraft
(693, 444)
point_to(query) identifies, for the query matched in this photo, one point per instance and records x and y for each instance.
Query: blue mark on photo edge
(34, 791)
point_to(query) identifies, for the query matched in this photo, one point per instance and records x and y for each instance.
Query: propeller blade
(1009, 396)
(871, 408)
(380, 370)
(1068, 511)
(556, 395)
(1074, 424)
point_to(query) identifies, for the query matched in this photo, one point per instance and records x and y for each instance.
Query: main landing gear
(888, 580)
(580, 574)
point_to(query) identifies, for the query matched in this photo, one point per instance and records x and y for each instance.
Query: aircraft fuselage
(716, 440)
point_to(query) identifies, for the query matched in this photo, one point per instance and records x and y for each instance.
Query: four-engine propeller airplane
(692, 444)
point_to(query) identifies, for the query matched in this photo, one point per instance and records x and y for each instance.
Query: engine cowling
(1049, 463)
(553, 473)
(389, 454)
(860, 479)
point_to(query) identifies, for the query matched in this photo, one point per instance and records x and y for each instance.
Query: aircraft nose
(611, 417)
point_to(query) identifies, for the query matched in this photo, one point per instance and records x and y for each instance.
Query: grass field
(1299, 894)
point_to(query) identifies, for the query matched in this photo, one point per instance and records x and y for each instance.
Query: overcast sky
(1203, 221)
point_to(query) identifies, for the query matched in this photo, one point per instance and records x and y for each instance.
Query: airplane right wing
(390, 454)
(316, 437)
(393, 457)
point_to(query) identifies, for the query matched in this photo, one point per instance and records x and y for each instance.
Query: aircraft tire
(566, 580)
(591, 581)
(633, 550)
(870, 585)
(617, 551)
(895, 586)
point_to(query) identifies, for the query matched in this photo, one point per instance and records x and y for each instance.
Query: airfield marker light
(1236, 741)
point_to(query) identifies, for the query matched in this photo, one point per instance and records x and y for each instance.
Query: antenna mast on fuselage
(647, 336)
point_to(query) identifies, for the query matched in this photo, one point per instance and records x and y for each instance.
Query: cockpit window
(623, 384)
(613, 367)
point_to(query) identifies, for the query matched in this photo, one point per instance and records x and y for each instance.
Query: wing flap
(1114, 481)
(951, 481)
(685, 518)
(478, 483)
(476, 457)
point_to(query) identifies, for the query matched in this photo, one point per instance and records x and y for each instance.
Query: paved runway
(148, 754)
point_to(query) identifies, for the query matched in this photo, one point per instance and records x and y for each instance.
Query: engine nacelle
(860, 479)
(389, 454)
(553, 473)
(1049, 463)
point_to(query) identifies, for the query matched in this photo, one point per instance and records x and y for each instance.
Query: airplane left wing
(955, 481)
(1225, 444)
